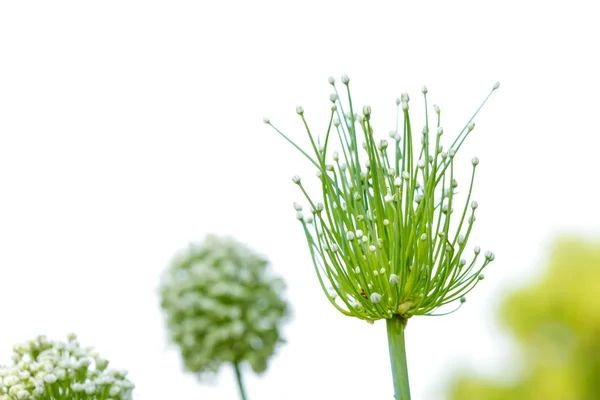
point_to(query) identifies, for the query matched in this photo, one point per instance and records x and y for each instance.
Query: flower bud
(296, 179)
(394, 279)
(496, 86)
(331, 80)
(345, 79)
(350, 235)
(375, 297)
(300, 110)
(367, 111)
(474, 161)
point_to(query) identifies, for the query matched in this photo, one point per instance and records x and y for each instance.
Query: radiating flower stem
(395, 332)
(238, 375)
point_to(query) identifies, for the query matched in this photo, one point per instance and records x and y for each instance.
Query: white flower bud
(474, 205)
(299, 216)
(392, 134)
(343, 166)
(308, 219)
(386, 222)
(474, 161)
(345, 79)
(319, 207)
(489, 256)
(318, 174)
(424, 89)
(367, 111)
(397, 137)
(436, 108)
(398, 182)
(477, 249)
(336, 156)
(471, 126)
(375, 297)
(336, 122)
(331, 80)
(418, 198)
(296, 179)
(382, 271)
(394, 279)
(405, 175)
(375, 272)
(372, 248)
(424, 237)
(359, 233)
(440, 131)
(333, 97)
(383, 144)
(451, 153)
(300, 110)
(350, 235)
(496, 86)
(421, 164)
(333, 108)
(297, 207)
(472, 218)
(398, 101)
(424, 131)
(365, 239)
(404, 106)
(266, 120)
(357, 270)
(334, 248)
(461, 239)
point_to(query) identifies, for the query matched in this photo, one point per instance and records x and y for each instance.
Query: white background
(129, 128)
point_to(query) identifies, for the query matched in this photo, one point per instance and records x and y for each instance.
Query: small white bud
(397, 137)
(308, 219)
(404, 106)
(367, 111)
(343, 166)
(297, 207)
(365, 239)
(331, 80)
(386, 222)
(372, 248)
(462, 262)
(329, 167)
(392, 134)
(336, 122)
(345, 79)
(336, 156)
(375, 272)
(350, 235)
(472, 218)
(474, 205)
(398, 101)
(359, 233)
(382, 271)
(424, 237)
(333, 108)
(296, 179)
(375, 297)
(440, 131)
(394, 279)
(477, 249)
(425, 130)
(405, 175)
(444, 155)
(418, 198)
(357, 270)
(333, 97)
(300, 110)
(496, 86)
(461, 239)
(451, 153)
(391, 172)
(474, 161)
(299, 216)
(398, 182)
(318, 174)
(405, 97)
(471, 126)
(388, 198)
(424, 89)
(436, 108)
(319, 207)
(266, 120)
(489, 256)
(383, 144)
(421, 164)
(334, 247)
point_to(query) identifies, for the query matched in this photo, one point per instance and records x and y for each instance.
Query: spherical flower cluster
(384, 237)
(44, 369)
(222, 306)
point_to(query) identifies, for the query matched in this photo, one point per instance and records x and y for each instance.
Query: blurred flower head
(386, 238)
(44, 369)
(222, 305)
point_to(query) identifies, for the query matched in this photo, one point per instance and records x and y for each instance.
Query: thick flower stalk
(384, 236)
(49, 370)
(222, 306)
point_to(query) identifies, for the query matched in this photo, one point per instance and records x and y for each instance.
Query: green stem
(395, 332)
(238, 375)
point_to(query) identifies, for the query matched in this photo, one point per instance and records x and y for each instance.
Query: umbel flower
(384, 236)
(223, 306)
(48, 370)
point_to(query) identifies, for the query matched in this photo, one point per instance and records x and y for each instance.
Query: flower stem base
(395, 332)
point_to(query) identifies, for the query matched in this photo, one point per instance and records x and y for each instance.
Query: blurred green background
(555, 323)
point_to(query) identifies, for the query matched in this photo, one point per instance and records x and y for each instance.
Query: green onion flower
(389, 237)
(222, 306)
(45, 370)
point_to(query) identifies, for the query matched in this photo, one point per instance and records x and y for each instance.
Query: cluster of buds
(45, 369)
(384, 239)
(222, 306)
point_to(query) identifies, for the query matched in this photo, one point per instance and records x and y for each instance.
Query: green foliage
(49, 370)
(222, 306)
(556, 323)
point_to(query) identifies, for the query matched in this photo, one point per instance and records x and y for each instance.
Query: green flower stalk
(385, 241)
(49, 370)
(222, 306)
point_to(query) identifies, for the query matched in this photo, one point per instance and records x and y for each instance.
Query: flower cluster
(385, 240)
(45, 369)
(222, 306)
